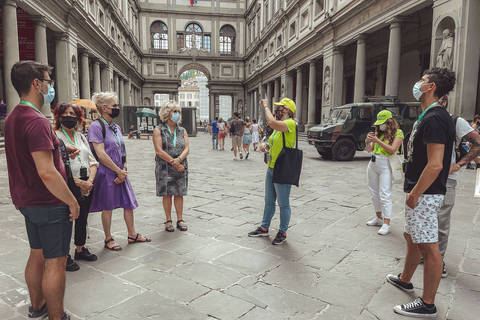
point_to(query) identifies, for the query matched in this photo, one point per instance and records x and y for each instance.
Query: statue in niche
(74, 78)
(146, 101)
(326, 86)
(445, 53)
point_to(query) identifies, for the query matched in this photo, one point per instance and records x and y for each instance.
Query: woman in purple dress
(112, 187)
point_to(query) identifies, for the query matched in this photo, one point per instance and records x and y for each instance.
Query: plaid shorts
(421, 223)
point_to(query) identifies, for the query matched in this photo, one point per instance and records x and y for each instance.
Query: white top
(221, 125)
(461, 130)
(85, 158)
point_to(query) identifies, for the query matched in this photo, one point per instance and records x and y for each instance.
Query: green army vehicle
(347, 127)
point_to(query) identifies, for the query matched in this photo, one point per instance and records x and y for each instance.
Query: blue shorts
(49, 228)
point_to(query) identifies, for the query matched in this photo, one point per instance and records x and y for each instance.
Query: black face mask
(115, 113)
(68, 122)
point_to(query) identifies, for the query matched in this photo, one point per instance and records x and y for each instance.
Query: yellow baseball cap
(383, 116)
(287, 103)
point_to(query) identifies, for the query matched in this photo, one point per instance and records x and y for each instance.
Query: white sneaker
(375, 222)
(235, 158)
(385, 229)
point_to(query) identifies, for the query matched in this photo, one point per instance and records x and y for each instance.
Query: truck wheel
(327, 154)
(343, 150)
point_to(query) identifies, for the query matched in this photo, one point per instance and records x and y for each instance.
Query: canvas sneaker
(246, 156)
(65, 316)
(280, 238)
(385, 229)
(259, 232)
(395, 280)
(241, 156)
(444, 271)
(235, 158)
(375, 222)
(416, 309)
(35, 313)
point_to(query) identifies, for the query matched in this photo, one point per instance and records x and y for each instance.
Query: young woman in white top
(221, 133)
(255, 135)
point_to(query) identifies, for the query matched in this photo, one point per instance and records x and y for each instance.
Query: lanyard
(30, 105)
(114, 134)
(377, 146)
(74, 138)
(423, 113)
(174, 135)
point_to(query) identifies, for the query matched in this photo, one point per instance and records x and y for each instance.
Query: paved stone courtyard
(333, 266)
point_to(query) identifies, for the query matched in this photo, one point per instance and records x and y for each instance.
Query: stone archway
(195, 66)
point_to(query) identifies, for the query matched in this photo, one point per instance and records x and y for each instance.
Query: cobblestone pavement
(333, 266)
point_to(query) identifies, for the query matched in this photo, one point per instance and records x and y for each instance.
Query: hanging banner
(26, 35)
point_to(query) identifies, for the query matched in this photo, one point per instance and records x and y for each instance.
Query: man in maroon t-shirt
(38, 187)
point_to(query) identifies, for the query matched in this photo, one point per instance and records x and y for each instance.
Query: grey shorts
(236, 141)
(421, 223)
(49, 228)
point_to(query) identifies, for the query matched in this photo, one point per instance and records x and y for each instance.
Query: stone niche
(160, 68)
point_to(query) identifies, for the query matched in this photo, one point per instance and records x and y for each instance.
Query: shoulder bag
(396, 166)
(288, 165)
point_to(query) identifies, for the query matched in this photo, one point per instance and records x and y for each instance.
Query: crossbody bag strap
(296, 137)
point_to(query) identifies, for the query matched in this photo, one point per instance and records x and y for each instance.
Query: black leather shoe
(85, 255)
(71, 265)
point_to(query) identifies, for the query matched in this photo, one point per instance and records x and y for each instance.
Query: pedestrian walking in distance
(247, 137)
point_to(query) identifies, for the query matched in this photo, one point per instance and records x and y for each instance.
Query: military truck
(347, 127)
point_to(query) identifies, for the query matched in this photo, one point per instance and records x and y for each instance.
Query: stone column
(394, 54)
(276, 95)
(41, 54)
(211, 110)
(121, 96)
(269, 95)
(298, 98)
(289, 85)
(62, 70)
(85, 84)
(312, 88)
(252, 103)
(337, 77)
(11, 53)
(126, 93)
(96, 77)
(105, 79)
(360, 69)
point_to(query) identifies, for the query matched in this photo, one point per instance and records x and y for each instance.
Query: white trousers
(379, 179)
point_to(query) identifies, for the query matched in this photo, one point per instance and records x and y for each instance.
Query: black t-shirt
(436, 127)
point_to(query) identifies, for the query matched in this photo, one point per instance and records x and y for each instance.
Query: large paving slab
(332, 267)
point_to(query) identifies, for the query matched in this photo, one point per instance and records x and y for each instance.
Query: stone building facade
(320, 53)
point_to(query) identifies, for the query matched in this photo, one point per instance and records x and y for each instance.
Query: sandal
(134, 240)
(183, 226)
(169, 228)
(114, 248)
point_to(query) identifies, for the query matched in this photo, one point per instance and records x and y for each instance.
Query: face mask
(49, 96)
(68, 122)
(115, 113)
(383, 127)
(175, 117)
(417, 93)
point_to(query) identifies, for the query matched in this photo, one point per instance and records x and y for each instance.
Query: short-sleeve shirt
(27, 131)
(435, 127)
(214, 126)
(462, 129)
(377, 149)
(276, 140)
(237, 126)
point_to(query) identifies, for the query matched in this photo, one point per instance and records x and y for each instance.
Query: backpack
(232, 128)
(462, 149)
(103, 135)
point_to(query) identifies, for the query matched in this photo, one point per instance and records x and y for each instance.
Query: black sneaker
(469, 166)
(71, 265)
(34, 313)
(478, 166)
(444, 271)
(85, 255)
(395, 280)
(65, 316)
(416, 309)
(280, 238)
(259, 232)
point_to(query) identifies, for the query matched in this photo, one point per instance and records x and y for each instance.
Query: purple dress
(106, 194)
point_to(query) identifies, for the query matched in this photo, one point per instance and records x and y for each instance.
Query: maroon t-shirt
(27, 131)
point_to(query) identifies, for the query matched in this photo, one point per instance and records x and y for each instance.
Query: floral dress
(168, 180)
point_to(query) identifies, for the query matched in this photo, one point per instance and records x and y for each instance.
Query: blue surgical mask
(175, 117)
(49, 96)
(417, 93)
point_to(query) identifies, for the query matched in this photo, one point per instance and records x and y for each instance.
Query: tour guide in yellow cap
(275, 191)
(382, 116)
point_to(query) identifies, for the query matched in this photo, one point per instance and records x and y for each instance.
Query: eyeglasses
(50, 82)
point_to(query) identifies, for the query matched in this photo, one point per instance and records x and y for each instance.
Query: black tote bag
(288, 166)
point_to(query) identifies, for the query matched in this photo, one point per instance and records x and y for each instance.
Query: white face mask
(383, 126)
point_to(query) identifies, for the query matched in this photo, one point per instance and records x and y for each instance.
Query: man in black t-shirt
(429, 157)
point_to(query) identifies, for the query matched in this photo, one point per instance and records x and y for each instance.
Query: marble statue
(326, 86)
(445, 53)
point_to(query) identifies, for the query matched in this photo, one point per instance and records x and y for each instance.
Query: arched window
(159, 36)
(227, 40)
(193, 36)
